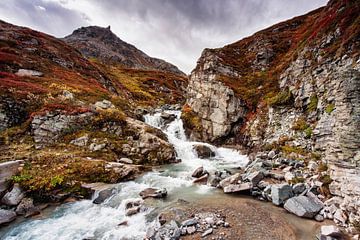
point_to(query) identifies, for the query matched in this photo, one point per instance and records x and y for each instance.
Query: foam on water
(84, 219)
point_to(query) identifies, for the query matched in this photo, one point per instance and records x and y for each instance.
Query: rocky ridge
(103, 44)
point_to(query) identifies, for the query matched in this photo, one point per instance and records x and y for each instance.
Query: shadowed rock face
(103, 44)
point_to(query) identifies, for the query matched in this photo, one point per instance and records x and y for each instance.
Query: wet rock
(126, 160)
(214, 181)
(280, 193)
(304, 206)
(235, 188)
(133, 206)
(28, 73)
(203, 179)
(13, 197)
(167, 117)
(103, 195)
(198, 172)
(153, 193)
(7, 170)
(7, 216)
(204, 151)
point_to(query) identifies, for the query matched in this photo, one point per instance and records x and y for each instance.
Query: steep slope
(103, 44)
(70, 119)
(292, 88)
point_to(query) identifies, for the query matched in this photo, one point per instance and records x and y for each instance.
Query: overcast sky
(174, 30)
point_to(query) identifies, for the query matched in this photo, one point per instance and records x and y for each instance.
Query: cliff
(292, 88)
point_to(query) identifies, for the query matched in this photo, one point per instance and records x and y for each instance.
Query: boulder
(167, 117)
(289, 176)
(303, 206)
(13, 197)
(280, 193)
(203, 179)
(7, 170)
(233, 179)
(28, 73)
(7, 216)
(153, 193)
(255, 177)
(26, 205)
(235, 188)
(133, 206)
(103, 195)
(97, 147)
(204, 151)
(198, 172)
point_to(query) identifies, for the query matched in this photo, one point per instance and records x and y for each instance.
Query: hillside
(70, 119)
(104, 45)
(292, 88)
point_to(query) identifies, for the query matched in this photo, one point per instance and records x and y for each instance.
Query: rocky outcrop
(213, 102)
(103, 44)
(7, 170)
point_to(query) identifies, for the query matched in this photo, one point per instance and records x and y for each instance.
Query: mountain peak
(101, 43)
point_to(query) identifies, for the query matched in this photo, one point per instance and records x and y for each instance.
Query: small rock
(202, 179)
(255, 177)
(104, 104)
(126, 160)
(81, 141)
(319, 218)
(189, 222)
(25, 206)
(123, 223)
(153, 193)
(191, 229)
(209, 220)
(103, 195)
(207, 232)
(97, 147)
(235, 188)
(289, 176)
(226, 224)
(28, 73)
(271, 154)
(313, 166)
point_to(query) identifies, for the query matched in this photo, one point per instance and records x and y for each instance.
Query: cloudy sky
(174, 30)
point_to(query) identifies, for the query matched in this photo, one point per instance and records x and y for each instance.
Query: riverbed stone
(198, 172)
(233, 179)
(153, 193)
(255, 177)
(280, 193)
(303, 206)
(25, 206)
(6, 216)
(103, 195)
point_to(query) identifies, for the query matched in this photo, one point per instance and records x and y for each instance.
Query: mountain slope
(103, 44)
(293, 88)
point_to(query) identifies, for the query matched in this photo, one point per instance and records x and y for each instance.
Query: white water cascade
(85, 220)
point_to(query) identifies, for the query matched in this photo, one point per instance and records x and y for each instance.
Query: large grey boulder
(233, 179)
(280, 193)
(255, 177)
(7, 170)
(203, 151)
(6, 216)
(304, 206)
(14, 197)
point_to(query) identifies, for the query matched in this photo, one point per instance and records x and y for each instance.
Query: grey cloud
(175, 30)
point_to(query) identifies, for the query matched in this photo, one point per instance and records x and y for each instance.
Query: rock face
(280, 193)
(103, 44)
(293, 88)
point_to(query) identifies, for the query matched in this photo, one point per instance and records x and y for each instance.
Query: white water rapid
(85, 220)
